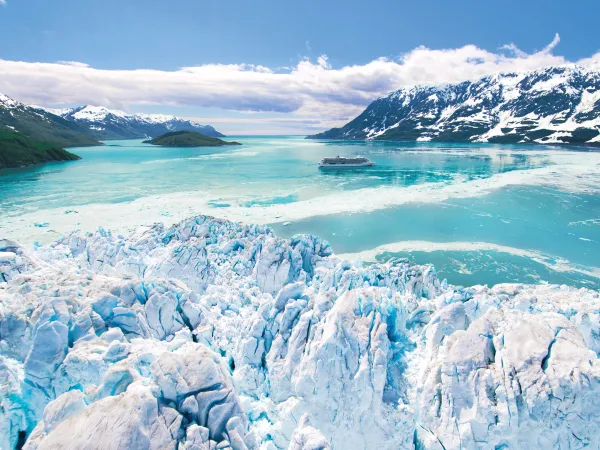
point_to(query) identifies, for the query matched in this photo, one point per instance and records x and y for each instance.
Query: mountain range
(32, 134)
(86, 125)
(41, 126)
(554, 105)
(103, 123)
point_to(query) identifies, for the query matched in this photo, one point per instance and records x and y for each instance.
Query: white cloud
(2, 2)
(552, 44)
(592, 61)
(310, 89)
(72, 63)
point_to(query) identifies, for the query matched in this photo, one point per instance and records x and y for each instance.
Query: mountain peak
(41, 125)
(8, 102)
(94, 113)
(104, 123)
(557, 104)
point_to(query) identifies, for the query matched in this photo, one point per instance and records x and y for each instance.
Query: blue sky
(118, 38)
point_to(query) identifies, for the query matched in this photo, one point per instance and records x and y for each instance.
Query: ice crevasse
(213, 335)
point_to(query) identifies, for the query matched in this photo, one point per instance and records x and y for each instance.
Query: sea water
(482, 213)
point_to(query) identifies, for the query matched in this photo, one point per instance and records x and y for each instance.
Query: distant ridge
(41, 126)
(554, 105)
(104, 123)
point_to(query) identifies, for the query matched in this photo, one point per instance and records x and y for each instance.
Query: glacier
(215, 335)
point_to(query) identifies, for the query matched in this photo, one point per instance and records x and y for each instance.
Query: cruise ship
(340, 161)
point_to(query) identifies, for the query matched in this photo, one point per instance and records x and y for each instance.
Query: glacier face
(210, 334)
(551, 105)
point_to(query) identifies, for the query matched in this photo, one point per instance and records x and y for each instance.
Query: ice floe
(570, 172)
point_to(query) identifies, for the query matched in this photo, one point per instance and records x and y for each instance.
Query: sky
(274, 66)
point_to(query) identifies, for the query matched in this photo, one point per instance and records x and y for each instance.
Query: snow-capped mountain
(41, 126)
(214, 335)
(104, 123)
(550, 105)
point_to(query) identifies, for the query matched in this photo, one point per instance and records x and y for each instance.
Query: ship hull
(344, 166)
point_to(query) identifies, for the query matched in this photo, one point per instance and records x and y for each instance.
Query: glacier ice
(306, 437)
(213, 335)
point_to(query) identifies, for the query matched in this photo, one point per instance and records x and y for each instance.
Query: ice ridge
(213, 335)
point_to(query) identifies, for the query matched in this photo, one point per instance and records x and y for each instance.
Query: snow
(433, 98)
(163, 119)
(447, 112)
(8, 102)
(493, 103)
(56, 111)
(588, 102)
(504, 120)
(373, 133)
(90, 113)
(96, 113)
(210, 334)
(509, 84)
(554, 138)
(550, 84)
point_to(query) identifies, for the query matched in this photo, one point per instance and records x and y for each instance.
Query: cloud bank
(311, 88)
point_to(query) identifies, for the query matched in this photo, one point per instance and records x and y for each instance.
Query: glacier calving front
(215, 335)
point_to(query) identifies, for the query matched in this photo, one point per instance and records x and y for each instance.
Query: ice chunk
(210, 334)
(306, 437)
(135, 419)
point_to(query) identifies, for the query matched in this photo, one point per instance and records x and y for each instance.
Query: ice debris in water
(212, 335)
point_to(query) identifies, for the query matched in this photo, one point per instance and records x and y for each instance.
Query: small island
(188, 139)
(17, 150)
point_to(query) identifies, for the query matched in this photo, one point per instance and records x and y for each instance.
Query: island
(188, 139)
(17, 150)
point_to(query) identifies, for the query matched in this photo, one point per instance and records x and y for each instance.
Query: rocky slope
(211, 334)
(104, 123)
(41, 126)
(551, 105)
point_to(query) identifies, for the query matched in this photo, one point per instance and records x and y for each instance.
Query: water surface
(482, 213)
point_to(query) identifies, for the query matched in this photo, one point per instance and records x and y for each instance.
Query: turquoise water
(124, 170)
(539, 219)
(482, 213)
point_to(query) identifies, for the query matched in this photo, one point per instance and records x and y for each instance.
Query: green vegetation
(42, 126)
(188, 139)
(17, 150)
